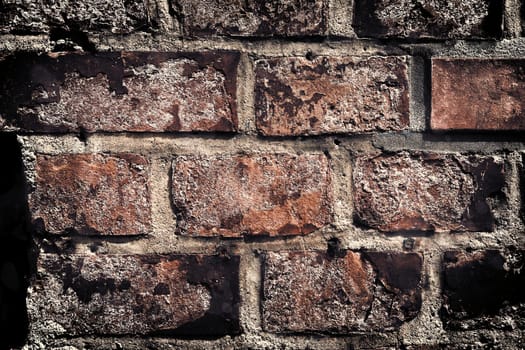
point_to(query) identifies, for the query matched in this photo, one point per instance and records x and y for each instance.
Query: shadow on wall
(14, 245)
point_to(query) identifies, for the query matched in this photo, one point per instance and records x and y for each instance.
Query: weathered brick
(351, 291)
(418, 191)
(134, 294)
(91, 194)
(478, 94)
(264, 194)
(120, 16)
(251, 17)
(483, 289)
(297, 96)
(156, 92)
(429, 19)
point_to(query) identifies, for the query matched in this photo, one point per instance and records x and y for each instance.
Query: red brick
(91, 194)
(483, 289)
(428, 19)
(134, 294)
(114, 16)
(297, 96)
(478, 94)
(264, 194)
(312, 291)
(418, 191)
(252, 17)
(113, 92)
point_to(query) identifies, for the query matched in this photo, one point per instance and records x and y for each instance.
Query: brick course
(298, 96)
(136, 294)
(477, 94)
(92, 194)
(264, 194)
(352, 291)
(420, 191)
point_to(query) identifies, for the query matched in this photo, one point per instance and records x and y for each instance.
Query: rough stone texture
(349, 291)
(429, 18)
(119, 92)
(265, 194)
(134, 294)
(483, 289)
(119, 16)
(91, 194)
(478, 94)
(252, 17)
(429, 192)
(296, 96)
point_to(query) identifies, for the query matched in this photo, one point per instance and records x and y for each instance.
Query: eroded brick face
(314, 291)
(483, 289)
(417, 191)
(134, 294)
(264, 194)
(91, 194)
(297, 96)
(252, 17)
(119, 16)
(114, 92)
(478, 94)
(428, 18)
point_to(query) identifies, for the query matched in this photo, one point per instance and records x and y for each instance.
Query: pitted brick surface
(297, 96)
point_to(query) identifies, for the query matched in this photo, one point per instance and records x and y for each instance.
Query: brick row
(273, 194)
(197, 92)
(335, 291)
(291, 18)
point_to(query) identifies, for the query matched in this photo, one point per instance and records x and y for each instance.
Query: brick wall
(299, 174)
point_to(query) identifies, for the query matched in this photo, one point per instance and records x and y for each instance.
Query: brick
(264, 194)
(120, 16)
(478, 94)
(91, 194)
(429, 192)
(483, 289)
(462, 19)
(315, 291)
(134, 294)
(251, 17)
(123, 91)
(298, 96)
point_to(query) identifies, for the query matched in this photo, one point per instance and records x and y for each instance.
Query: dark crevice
(15, 247)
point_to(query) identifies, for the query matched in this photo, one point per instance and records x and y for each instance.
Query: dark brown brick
(119, 16)
(264, 194)
(314, 291)
(297, 96)
(418, 191)
(466, 19)
(483, 289)
(135, 294)
(478, 94)
(251, 17)
(115, 92)
(91, 194)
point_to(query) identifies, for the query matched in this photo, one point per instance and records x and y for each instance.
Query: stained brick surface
(296, 96)
(483, 289)
(428, 18)
(119, 16)
(135, 294)
(265, 194)
(313, 291)
(478, 94)
(120, 92)
(92, 194)
(419, 191)
(252, 17)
